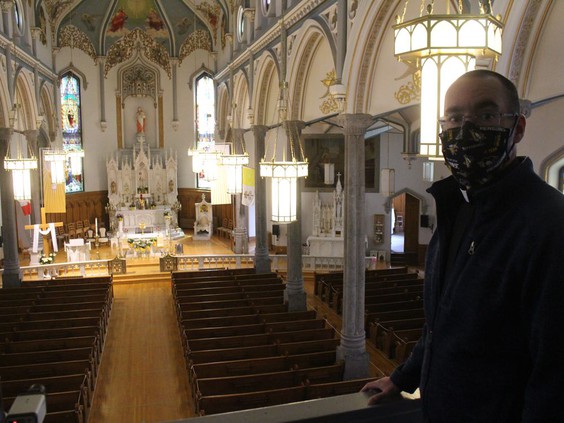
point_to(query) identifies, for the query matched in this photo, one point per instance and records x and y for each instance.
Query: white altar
(326, 246)
(150, 219)
(77, 250)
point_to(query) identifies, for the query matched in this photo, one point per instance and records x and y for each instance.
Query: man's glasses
(456, 120)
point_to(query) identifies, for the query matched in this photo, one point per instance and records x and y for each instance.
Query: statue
(141, 119)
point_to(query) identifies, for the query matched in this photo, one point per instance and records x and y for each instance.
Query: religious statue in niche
(141, 120)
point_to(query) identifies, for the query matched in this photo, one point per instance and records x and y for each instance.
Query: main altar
(142, 188)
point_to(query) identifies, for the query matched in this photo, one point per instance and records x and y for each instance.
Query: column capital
(355, 123)
(6, 5)
(259, 131)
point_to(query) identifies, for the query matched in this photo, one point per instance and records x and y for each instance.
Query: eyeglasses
(456, 120)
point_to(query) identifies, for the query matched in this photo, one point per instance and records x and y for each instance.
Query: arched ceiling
(177, 26)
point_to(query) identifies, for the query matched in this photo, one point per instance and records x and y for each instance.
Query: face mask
(475, 155)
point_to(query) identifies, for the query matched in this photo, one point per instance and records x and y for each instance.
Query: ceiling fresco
(111, 28)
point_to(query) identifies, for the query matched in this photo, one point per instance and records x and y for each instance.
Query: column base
(262, 263)
(296, 301)
(11, 280)
(356, 363)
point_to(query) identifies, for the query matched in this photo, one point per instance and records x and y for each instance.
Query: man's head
(481, 125)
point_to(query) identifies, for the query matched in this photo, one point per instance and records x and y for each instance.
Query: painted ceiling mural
(112, 28)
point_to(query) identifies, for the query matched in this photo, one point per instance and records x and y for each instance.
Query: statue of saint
(141, 119)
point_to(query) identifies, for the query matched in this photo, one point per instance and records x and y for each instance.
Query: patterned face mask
(474, 155)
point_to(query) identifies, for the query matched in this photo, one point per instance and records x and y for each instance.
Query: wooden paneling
(83, 205)
(188, 197)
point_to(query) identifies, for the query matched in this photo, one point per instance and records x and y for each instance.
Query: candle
(96, 226)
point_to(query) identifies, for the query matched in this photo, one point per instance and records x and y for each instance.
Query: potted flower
(50, 259)
(119, 217)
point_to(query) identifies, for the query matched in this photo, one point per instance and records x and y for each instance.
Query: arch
(222, 95)
(25, 97)
(359, 67)
(77, 72)
(47, 101)
(265, 101)
(240, 100)
(309, 42)
(422, 201)
(550, 167)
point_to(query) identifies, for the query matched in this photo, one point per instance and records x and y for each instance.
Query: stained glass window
(71, 126)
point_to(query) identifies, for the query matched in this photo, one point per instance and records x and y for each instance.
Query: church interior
(165, 149)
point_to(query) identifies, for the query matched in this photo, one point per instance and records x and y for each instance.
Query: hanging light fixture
(219, 194)
(19, 163)
(233, 163)
(284, 174)
(57, 161)
(444, 46)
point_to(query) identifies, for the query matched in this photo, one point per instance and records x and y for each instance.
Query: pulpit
(203, 227)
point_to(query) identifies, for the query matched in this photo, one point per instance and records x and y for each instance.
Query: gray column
(342, 26)
(11, 275)
(31, 139)
(262, 261)
(102, 80)
(353, 338)
(295, 291)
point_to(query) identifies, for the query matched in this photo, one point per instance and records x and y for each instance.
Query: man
(493, 344)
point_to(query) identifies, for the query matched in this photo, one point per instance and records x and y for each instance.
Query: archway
(404, 229)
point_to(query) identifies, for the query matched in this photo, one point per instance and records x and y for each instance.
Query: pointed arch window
(205, 118)
(71, 129)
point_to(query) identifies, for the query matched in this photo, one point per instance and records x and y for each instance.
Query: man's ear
(520, 129)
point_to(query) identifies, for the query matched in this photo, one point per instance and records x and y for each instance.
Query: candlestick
(96, 226)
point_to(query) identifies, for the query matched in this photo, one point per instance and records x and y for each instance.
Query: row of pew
(52, 333)
(393, 307)
(244, 349)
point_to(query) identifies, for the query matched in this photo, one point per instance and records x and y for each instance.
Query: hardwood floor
(143, 375)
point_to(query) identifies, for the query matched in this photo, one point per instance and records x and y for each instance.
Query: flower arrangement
(167, 214)
(47, 259)
(142, 244)
(119, 217)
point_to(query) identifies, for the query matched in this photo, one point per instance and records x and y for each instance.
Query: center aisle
(142, 378)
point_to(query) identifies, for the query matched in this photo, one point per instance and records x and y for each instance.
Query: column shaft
(262, 261)
(353, 338)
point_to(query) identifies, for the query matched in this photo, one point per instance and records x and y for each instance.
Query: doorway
(405, 228)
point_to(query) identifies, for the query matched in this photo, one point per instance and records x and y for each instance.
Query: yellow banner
(54, 197)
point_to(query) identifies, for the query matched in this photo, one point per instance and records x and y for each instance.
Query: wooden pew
(372, 310)
(260, 339)
(266, 381)
(395, 340)
(379, 329)
(184, 312)
(261, 365)
(225, 403)
(42, 370)
(13, 388)
(398, 314)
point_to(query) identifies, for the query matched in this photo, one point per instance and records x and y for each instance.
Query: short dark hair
(510, 88)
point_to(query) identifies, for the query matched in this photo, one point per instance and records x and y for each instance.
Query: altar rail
(183, 262)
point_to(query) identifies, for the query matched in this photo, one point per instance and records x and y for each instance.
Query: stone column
(353, 338)
(31, 139)
(295, 292)
(11, 275)
(262, 260)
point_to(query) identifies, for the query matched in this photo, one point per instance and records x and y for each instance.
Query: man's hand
(381, 389)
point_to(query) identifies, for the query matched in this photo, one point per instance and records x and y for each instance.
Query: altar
(151, 219)
(326, 246)
(77, 250)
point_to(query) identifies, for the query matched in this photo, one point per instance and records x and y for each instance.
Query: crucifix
(45, 229)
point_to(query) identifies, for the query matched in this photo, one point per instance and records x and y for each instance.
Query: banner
(54, 196)
(248, 196)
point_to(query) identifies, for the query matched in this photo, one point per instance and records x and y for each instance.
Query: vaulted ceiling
(114, 28)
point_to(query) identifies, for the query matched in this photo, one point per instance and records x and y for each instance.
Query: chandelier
(284, 174)
(17, 162)
(233, 163)
(443, 47)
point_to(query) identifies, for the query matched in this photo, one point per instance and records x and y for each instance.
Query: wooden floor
(143, 377)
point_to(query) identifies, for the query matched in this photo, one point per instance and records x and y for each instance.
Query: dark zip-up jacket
(493, 344)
